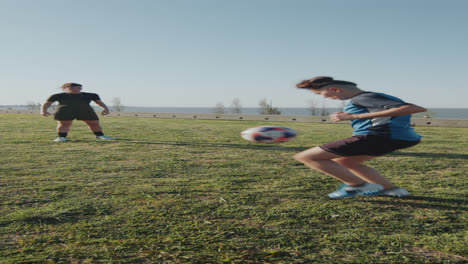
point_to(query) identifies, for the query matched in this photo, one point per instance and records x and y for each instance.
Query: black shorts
(367, 145)
(64, 114)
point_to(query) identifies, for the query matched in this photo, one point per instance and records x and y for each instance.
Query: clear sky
(196, 53)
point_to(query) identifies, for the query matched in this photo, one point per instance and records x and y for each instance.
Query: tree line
(266, 107)
(315, 107)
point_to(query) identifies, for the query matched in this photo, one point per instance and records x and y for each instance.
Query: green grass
(193, 191)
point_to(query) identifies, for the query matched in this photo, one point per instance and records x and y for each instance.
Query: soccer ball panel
(268, 134)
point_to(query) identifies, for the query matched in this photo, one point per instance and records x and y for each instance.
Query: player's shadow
(424, 202)
(430, 155)
(219, 145)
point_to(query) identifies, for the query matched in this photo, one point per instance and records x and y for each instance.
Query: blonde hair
(68, 85)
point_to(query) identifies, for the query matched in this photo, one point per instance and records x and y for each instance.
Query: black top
(67, 98)
(74, 102)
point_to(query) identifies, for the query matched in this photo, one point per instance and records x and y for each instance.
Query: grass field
(193, 191)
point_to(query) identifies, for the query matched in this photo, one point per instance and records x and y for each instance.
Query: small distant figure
(381, 125)
(74, 104)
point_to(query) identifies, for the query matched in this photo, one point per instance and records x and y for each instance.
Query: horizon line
(319, 106)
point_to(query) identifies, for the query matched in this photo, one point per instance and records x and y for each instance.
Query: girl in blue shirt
(381, 124)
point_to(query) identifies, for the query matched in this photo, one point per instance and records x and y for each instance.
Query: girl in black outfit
(74, 104)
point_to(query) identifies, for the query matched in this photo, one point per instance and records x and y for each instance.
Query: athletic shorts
(368, 145)
(64, 114)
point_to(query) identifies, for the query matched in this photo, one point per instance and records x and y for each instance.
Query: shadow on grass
(273, 146)
(217, 145)
(431, 155)
(69, 217)
(425, 202)
(84, 141)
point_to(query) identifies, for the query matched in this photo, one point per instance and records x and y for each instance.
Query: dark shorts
(64, 114)
(368, 145)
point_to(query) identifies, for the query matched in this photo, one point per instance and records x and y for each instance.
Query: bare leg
(64, 126)
(93, 125)
(354, 164)
(323, 161)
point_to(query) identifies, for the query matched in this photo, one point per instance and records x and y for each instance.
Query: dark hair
(68, 85)
(320, 82)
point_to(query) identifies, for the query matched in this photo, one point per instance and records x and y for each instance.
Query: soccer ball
(268, 134)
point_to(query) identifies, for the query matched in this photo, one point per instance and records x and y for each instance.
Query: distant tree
(312, 107)
(267, 108)
(323, 110)
(33, 106)
(219, 109)
(117, 104)
(236, 107)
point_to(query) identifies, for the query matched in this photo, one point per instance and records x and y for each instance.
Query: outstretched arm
(44, 108)
(398, 111)
(101, 104)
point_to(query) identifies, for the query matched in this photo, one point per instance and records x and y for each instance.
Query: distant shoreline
(443, 113)
(415, 121)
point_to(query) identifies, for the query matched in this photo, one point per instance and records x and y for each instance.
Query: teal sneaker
(395, 192)
(348, 191)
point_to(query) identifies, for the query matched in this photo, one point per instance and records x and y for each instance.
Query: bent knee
(299, 157)
(306, 156)
(314, 154)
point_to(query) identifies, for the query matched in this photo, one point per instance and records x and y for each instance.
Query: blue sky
(196, 53)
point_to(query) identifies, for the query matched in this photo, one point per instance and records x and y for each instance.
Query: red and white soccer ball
(269, 134)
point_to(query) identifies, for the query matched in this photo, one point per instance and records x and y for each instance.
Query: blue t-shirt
(394, 127)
